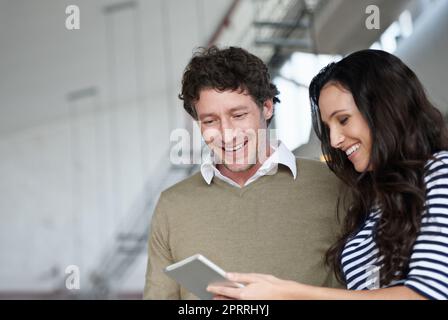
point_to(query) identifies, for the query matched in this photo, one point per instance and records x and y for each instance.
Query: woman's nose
(336, 140)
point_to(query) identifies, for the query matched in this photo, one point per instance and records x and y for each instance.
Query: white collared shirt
(281, 155)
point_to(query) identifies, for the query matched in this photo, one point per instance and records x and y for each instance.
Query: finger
(264, 276)
(218, 297)
(225, 291)
(245, 277)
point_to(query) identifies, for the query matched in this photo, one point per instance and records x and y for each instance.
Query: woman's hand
(267, 287)
(257, 287)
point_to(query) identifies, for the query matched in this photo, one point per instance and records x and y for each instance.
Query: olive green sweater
(275, 225)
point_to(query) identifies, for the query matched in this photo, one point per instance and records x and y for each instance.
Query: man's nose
(229, 135)
(228, 131)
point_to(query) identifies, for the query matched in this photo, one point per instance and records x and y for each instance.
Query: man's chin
(238, 167)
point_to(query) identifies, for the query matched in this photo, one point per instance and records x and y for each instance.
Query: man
(253, 207)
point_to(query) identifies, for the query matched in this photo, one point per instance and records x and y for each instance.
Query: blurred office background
(86, 115)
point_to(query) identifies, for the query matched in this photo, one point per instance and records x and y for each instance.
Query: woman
(387, 142)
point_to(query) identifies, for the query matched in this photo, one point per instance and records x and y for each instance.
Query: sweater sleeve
(428, 268)
(158, 286)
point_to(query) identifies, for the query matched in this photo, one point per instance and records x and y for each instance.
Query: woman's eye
(343, 120)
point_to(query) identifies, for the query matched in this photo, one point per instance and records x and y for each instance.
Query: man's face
(230, 123)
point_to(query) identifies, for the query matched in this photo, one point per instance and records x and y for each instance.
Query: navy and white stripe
(428, 268)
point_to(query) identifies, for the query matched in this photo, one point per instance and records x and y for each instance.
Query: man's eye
(208, 122)
(238, 116)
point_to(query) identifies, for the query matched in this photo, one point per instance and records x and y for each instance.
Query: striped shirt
(428, 267)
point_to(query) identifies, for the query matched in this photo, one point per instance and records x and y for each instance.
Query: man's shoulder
(193, 184)
(311, 164)
(314, 169)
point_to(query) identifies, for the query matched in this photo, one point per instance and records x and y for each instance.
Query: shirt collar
(281, 155)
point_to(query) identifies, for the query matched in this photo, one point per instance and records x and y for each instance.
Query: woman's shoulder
(438, 163)
(436, 177)
(442, 154)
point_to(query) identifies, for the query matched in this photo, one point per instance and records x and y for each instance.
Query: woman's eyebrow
(335, 112)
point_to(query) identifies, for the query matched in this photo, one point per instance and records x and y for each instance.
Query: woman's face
(349, 130)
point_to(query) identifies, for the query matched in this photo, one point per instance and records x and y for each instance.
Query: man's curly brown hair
(226, 69)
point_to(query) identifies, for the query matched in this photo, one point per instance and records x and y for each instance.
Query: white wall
(72, 168)
(425, 51)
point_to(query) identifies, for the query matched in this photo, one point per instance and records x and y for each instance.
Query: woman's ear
(268, 109)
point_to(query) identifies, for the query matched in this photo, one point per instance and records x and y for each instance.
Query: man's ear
(268, 109)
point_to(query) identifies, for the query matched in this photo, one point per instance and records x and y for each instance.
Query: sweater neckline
(240, 191)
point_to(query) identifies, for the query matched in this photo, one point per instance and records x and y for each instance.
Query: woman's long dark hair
(406, 130)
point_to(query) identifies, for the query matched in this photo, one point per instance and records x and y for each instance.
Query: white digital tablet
(195, 273)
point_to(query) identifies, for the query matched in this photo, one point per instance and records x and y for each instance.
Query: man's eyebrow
(233, 109)
(237, 108)
(202, 116)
